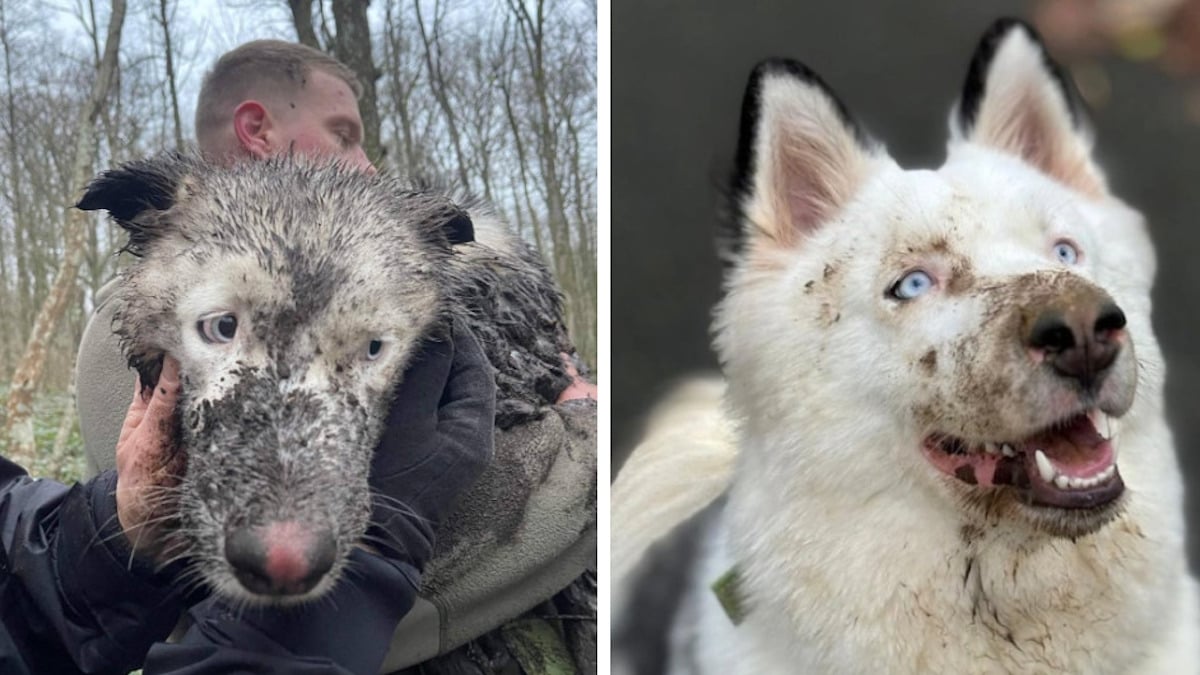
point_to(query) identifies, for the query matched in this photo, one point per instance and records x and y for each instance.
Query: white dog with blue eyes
(946, 397)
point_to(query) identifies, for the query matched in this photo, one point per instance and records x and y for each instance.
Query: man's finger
(137, 412)
(166, 392)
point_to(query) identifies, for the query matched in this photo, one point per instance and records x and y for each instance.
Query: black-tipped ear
(134, 190)
(1018, 100)
(459, 229)
(800, 157)
(985, 54)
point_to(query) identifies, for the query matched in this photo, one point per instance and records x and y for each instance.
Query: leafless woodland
(497, 95)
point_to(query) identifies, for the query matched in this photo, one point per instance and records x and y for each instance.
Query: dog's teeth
(1107, 473)
(1076, 483)
(991, 448)
(1062, 482)
(1008, 450)
(1045, 468)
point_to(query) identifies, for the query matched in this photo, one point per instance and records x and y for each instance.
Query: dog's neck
(997, 586)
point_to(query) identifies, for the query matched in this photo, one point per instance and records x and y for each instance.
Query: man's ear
(137, 193)
(1016, 99)
(800, 158)
(253, 126)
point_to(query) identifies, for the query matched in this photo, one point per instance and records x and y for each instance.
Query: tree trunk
(162, 19)
(401, 88)
(19, 423)
(531, 29)
(437, 84)
(302, 20)
(14, 173)
(58, 455)
(352, 46)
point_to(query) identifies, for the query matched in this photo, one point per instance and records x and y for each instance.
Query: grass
(48, 410)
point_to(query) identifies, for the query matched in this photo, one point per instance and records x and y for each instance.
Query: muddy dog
(293, 297)
(944, 397)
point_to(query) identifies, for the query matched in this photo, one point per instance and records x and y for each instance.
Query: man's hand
(438, 439)
(579, 387)
(149, 467)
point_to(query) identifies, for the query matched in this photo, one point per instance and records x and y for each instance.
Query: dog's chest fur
(893, 583)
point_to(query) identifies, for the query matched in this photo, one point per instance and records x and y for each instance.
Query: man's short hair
(256, 70)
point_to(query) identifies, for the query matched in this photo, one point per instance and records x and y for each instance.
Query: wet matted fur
(333, 277)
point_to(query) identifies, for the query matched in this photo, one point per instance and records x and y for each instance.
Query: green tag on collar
(728, 590)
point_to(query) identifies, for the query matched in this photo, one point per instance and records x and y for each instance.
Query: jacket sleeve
(433, 447)
(347, 631)
(72, 596)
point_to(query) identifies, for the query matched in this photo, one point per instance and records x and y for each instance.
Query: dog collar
(728, 589)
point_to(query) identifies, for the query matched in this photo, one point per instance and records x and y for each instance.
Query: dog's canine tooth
(1008, 450)
(1045, 468)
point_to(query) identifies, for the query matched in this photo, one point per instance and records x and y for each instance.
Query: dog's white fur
(854, 554)
(681, 466)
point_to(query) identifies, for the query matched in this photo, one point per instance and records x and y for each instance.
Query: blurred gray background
(678, 70)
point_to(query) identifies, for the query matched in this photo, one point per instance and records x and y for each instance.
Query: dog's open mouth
(1069, 465)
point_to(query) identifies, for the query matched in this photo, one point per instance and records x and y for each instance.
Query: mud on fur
(293, 297)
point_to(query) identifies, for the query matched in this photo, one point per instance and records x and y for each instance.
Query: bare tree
(162, 17)
(302, 12)
(437, 81)
(19, 421)
(350, 44)
(13, 187)
(531, 33)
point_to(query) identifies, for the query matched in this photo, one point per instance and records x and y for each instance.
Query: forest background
(498, 96)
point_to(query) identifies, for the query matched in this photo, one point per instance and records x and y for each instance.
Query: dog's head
(293, 297)
(971, 329)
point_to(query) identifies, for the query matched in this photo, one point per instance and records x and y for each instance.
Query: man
(260, 100)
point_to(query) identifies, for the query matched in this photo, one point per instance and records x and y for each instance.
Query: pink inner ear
(813, 180)
(1028, 119)
(1038, 137)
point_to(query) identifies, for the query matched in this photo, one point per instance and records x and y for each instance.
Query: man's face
(321, 121)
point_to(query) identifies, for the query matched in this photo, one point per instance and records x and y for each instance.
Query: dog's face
(985, 321)
(292, 297)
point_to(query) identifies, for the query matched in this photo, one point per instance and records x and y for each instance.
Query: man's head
(269, 97)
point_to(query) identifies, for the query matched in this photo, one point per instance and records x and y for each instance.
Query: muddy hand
(148, 469)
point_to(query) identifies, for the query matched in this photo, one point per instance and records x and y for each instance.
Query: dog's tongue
(1075, 450)
(1077, 470)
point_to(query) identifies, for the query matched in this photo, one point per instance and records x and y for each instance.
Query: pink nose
(279, 558)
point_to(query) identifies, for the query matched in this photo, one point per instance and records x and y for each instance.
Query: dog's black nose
(1079, 342)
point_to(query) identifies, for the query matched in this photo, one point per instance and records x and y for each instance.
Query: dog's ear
(1018, 100)
(137, 191)
(459, 229)
(800, 157)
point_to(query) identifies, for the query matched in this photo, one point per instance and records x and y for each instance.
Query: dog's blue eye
(1066, 253)
(911, 285)
(218, 329)
(374, 349)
